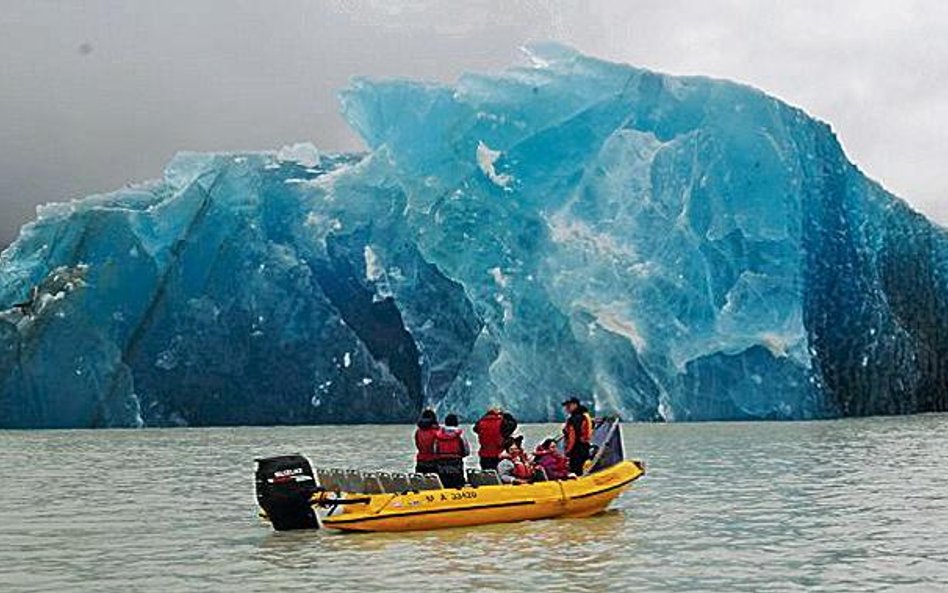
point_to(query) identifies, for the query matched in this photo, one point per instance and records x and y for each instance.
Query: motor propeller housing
(285, 486)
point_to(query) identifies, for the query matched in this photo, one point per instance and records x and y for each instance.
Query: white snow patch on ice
(499, 277)
(776, 343)
(373, 267)
(303, 153)
(622, 326)
(535, 60)
(486, 157)
(566, 230)
(314, 219)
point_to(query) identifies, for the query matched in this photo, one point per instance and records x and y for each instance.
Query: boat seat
(387, 482)
(401, 483)
(372, 484)
(485, 477)
(434, 482)
(425, 482)
(328, 479)
(352, 481)
(339, 477)
(320, 477)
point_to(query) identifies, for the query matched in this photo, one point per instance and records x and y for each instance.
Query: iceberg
(668, 248)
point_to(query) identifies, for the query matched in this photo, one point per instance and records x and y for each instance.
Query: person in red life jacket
(451, 449)
(426, 460)
(577, 432)
(493, 429)
(554, 463)
(515, 466)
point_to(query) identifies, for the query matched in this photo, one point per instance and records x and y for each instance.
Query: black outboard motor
(284, 487)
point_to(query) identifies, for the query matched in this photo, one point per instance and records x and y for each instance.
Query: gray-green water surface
(852, 505)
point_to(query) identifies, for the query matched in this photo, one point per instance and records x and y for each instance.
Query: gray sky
(97, 93)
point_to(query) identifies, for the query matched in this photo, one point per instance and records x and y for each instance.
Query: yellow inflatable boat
(293, 496)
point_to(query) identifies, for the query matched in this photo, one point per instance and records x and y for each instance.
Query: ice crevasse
(667, 248)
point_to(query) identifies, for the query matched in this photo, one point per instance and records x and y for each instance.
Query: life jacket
(425, 443)
(522, 469)
(578, 428)
(555, 465)
(489, 435)
(449, 444)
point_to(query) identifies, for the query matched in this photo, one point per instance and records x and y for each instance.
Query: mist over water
(850, 505)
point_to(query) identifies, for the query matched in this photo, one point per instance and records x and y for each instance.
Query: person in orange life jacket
(577, 432)
(514, 466)
(451, 449)
(551, 460)
(426, 461)
(493, 429)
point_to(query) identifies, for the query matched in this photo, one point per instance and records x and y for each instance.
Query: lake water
(853, 505)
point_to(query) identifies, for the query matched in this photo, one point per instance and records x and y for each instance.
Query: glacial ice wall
(669, 248)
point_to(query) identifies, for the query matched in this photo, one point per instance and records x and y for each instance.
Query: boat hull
(468, 506)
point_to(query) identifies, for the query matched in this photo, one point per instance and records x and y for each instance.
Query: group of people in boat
(442, 447)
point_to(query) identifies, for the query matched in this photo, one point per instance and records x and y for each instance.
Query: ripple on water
(855, 505)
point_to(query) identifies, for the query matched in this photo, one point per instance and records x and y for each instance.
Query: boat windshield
(607, 443)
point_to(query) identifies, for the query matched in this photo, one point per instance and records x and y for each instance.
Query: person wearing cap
(577, 434)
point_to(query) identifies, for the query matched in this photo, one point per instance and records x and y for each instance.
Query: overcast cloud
(98, 93)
